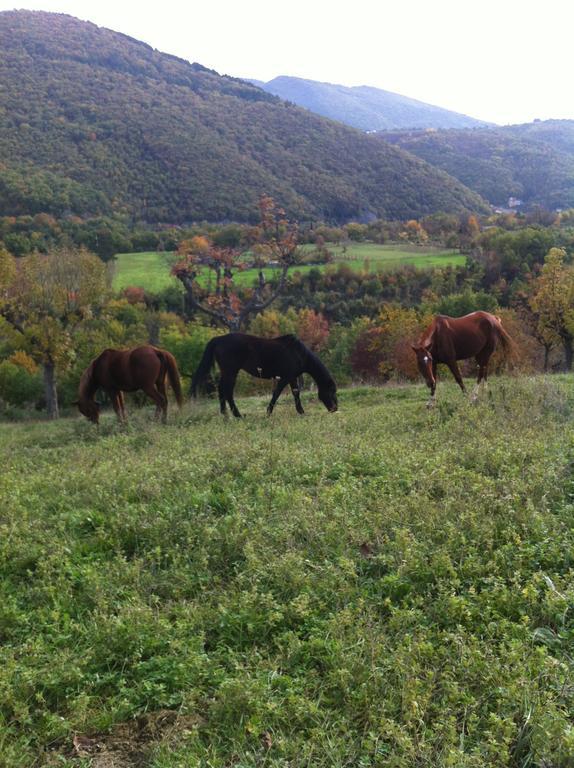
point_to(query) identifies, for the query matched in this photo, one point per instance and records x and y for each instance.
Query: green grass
(152, 270)
(386, 586)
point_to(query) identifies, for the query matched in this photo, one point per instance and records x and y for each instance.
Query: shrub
(17, 385)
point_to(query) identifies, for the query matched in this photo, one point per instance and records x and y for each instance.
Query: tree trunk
(567, 342)
(153, 330)
(546, 357)
(50, 391)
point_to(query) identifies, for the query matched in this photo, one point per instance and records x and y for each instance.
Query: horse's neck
(88, 386)
(315, 368)
(429, 339)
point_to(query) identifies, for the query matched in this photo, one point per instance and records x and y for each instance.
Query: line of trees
(57, 310)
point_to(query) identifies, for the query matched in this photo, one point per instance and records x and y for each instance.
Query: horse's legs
(456, 373)
(115, 396)
(227, 385)
(482, 360)
(122, 405)
(221, 393)
(432, 399)
(279, 387)
(163, 392)
(159, 400)
(295, 389)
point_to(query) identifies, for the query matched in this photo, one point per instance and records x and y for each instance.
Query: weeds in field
(384, 587)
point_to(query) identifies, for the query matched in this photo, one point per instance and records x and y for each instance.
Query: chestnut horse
(448, 339)
(284, 358)
(127, 370)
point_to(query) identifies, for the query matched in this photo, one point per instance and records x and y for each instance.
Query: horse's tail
(507, 342)
(204, 367)
(173, 375)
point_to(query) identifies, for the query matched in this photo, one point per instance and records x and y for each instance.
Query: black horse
(284, 358)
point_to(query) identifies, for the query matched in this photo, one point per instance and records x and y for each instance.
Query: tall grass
(383, 587)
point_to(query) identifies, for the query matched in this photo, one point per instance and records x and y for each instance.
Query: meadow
(387, 586)
(151, 270)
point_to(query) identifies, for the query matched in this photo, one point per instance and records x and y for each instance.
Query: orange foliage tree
(383, 349)
(45, 300)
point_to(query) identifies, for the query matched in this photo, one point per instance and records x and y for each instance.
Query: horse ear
(414, 346)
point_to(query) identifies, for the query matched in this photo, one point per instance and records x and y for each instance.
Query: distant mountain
(364, 107)
(92, 121)
(533, 162)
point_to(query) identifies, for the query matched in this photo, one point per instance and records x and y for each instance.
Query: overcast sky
(507, 61)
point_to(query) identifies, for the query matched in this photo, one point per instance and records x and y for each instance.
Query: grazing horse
(127, 370)
(284, 358)
(448, 339)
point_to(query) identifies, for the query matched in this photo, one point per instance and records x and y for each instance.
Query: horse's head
(424, 362)
(328, 396)
(89, 408)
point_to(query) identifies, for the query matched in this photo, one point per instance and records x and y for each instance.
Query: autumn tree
(46, 299)
(414, 232)
(553, 302)
(383, 348)
(209, 272)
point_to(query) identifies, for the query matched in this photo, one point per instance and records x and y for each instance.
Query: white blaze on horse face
(425, 359)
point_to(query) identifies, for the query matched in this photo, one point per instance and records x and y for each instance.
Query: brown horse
(127, 370)
(448, 339)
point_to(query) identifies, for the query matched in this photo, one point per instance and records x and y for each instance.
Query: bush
(17, 385)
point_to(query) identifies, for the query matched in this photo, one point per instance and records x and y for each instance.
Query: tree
(272, 244)
(553, 301)
(414, 232)
(46, 299)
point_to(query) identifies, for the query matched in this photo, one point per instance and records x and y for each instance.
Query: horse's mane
(427, 336)
(86, 380)
(317, 369)
(290, 340)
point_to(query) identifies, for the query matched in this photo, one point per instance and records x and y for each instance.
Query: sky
(506, 61)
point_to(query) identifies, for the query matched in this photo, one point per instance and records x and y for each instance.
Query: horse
(448, 339)
(283, 358)
(127, 370)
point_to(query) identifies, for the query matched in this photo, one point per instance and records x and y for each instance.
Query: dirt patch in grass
(130, 744)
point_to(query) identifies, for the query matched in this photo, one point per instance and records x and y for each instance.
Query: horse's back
(261, 356)
(466, 336)
(127, 369)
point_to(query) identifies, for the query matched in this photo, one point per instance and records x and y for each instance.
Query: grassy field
(386, 586)
(152, 270)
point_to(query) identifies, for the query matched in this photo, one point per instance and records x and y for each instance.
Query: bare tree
(208, 273)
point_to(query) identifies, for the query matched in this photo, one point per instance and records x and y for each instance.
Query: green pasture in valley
(385, 586)
(151, 270)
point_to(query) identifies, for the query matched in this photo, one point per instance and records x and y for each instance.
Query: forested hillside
(365, 107)
(533, 162)
(92, 122)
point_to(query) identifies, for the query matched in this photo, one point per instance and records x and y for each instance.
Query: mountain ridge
(364, 106)
(532, 162)
(93, 121)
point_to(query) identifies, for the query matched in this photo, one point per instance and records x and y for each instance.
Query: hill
(533, 162)
(365, 107)
(385, 584)
(92, 121)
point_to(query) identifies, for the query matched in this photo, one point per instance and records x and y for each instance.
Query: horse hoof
(431, 403)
